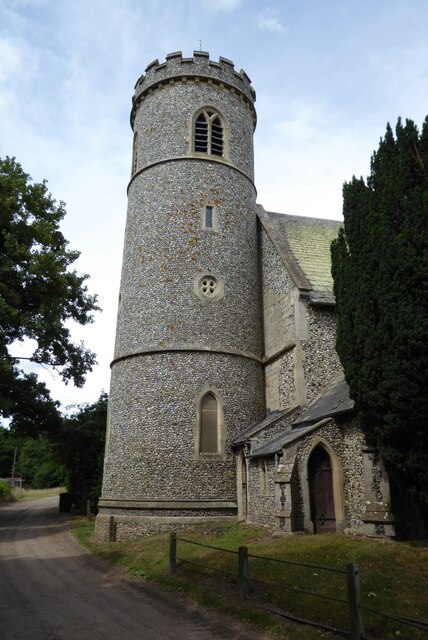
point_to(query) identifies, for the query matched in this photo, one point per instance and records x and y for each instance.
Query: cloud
(228, 6)
(268, 20)
(10, 59)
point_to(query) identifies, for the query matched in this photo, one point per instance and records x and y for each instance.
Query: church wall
(177, 340)
(286, 386)
(277, 286)
(165, 249)
(170, 110)
(346, 442)
(279, 326)
(321, 363)
(261, 481)
(281, 500)
(151, 451)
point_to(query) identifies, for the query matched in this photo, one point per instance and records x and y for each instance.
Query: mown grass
(29, 494)
(32, 494)
(394, 576)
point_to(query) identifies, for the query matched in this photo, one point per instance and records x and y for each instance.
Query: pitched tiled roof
(287, 437)
(333, 401)
(255, 427)
(304, 246)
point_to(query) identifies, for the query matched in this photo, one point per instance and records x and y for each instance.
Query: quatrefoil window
(208, 287)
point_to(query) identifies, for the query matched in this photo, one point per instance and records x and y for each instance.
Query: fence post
(243, 572)
(172, 552)
(354, 597)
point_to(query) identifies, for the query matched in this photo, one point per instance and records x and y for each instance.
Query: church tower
(187, 372)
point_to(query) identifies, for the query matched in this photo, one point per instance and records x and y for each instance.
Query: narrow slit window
(209, 219)
(209, 424)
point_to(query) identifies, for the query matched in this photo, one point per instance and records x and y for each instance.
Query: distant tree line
(72, 456)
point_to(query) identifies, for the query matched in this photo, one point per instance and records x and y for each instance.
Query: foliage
(80, 449)
(39, 296)
(37, 464)
(380, 561)
(35, 461)
(380, 269)
(5, 491)
(8, 443)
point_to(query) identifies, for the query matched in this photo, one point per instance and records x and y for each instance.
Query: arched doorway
(321, 491)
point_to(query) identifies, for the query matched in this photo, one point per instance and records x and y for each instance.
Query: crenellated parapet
(199, 68)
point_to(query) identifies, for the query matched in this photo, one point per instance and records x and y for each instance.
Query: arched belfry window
(209, 436)
(208, 135)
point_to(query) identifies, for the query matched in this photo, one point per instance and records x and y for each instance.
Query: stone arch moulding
(226, 131)
(337, 477)
(221, 431)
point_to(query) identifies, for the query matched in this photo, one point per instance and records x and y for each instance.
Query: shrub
(5, 491)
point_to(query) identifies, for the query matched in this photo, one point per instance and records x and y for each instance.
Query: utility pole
(14, 462)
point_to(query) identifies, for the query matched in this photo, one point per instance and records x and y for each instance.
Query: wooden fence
(356, 630)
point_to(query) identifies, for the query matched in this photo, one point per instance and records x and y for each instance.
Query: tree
(80, 449)
(8, 445)
(37, 464)
(380, 271)
(39, 296)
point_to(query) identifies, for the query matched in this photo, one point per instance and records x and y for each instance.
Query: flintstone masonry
(226, 394)
(187, 373)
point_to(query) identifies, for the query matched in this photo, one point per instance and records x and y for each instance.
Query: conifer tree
(380, 271)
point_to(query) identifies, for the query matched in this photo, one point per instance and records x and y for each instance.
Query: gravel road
(51, 588)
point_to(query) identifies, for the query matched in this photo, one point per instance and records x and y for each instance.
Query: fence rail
(356, 609)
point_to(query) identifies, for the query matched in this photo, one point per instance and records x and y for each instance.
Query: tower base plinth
(130, 519)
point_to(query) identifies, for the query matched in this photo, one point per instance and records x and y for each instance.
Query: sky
(328, 75)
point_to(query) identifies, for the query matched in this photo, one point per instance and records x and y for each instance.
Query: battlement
(199, 67)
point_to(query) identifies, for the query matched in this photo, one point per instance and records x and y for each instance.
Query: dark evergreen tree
(380, 271)
(39, 295)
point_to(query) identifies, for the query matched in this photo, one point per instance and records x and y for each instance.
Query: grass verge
(393, 576)
(32, 494)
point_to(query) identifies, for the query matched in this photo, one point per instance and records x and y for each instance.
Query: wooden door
(321, 492)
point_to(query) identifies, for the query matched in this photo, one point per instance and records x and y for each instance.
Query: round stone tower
(187, 374)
